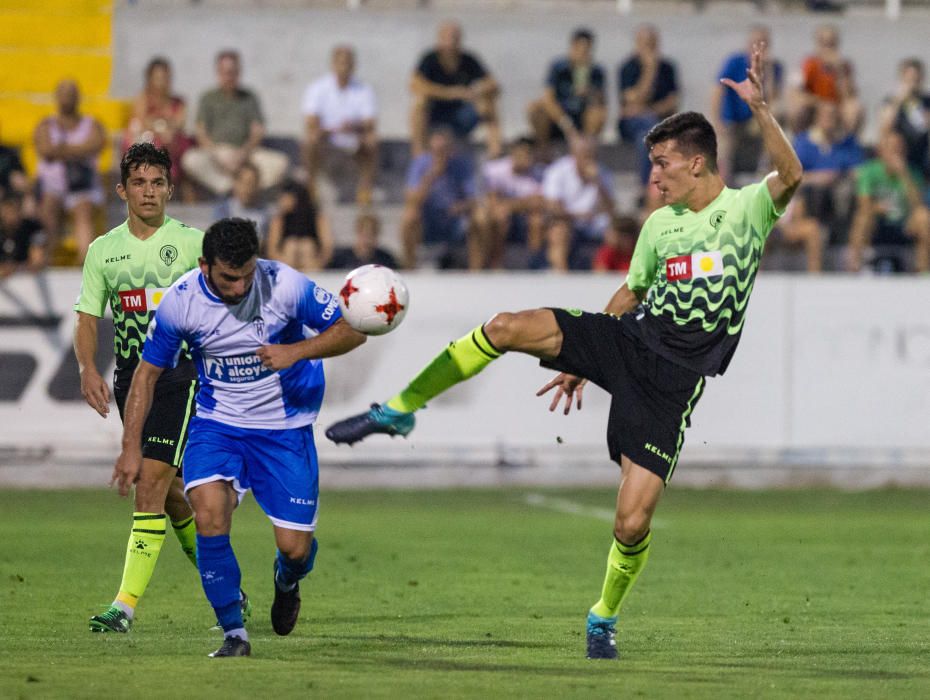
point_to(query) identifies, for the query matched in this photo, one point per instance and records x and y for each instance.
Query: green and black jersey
(699, 269)
(132, 275)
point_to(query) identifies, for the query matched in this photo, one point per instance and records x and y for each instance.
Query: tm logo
(168, 254)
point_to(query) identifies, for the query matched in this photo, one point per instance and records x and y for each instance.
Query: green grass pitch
(483, 594)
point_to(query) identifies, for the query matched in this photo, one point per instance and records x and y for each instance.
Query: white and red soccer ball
(374, 299)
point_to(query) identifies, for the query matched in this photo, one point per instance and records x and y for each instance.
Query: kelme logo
(168, 254)
(717, 218)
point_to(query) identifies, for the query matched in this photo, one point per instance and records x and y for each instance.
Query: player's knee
(151, 493)
(210, 522)
(503, 330)
(631, 528)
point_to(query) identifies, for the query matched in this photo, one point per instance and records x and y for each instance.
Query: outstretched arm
(785, 180)
(338, 339)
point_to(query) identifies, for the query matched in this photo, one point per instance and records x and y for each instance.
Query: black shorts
(651, 397)
(164, 434)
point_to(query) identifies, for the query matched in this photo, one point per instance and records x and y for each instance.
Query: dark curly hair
(692, 134)
(232, 241)
(144, 154)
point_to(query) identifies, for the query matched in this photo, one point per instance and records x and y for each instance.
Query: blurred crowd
(546, 200)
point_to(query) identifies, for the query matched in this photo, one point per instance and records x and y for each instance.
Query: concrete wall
(284, 48)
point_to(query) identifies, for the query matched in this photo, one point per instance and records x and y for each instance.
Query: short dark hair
(526, 141)
(157, 62)
(144, 154)
(912, 62)
(692, 134)
(228, 53)
(231, 241)
(583, 33)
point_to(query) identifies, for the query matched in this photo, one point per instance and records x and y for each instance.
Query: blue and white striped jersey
(283, 306)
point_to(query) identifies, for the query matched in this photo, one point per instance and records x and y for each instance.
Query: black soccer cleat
(378, 419)
(601, 633)
(233, 646)
(285, 609)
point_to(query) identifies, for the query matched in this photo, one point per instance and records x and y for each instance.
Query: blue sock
(287, 572)
(220, 575)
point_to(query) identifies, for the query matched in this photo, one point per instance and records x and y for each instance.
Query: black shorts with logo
(651, 397)
(164, 434)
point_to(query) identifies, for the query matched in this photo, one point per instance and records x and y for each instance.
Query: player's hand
(126, 470)
(750, 90)
(277, 357)
(567, 385)
(95, 392)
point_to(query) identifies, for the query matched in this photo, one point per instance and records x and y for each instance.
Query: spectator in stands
(13, 176)
(512, 208)
(739, 144)
(574, 101)
(299, 233)
(615, 254)
(580, 202)
(22, 241)
(908, 113)
(827, 75)
(439, 204)
(69, 144)
(648, 90)
(890, 211)
(340, 115)
(365, 249)
(452, 89)
(829, 153)
(230, 128)
(159, 116)
(246, 201)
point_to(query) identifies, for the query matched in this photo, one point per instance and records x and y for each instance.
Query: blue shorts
(280, 467)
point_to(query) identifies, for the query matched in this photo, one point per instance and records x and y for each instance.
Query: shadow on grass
(405, 641)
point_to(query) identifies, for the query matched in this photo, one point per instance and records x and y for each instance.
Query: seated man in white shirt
(580, 202)
(340, 113)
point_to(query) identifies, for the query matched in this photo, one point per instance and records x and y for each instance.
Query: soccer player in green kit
(130, 268)
(676, 320)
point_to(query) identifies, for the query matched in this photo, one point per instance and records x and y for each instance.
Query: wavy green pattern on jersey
(130, 275)
(718, 299)
(696, 271)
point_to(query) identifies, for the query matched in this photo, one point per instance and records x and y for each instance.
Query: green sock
(148, 533)
(462, 359)
(186, 531)
(624, 564)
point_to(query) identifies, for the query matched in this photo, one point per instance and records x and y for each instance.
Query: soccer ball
(374, 299)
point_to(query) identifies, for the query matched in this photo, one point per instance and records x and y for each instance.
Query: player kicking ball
(261, 387)
(676, 320)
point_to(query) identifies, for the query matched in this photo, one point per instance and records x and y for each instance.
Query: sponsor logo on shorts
(236, 369)
(302, 501)
(158, 440)
(658, 452)
(686, 267)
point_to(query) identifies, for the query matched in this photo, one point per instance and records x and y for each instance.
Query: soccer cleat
(233, 646)
(285, 609)
(378, 419)
(602, 643)
(111, 620)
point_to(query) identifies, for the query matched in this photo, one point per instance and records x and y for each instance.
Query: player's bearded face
(231, 284)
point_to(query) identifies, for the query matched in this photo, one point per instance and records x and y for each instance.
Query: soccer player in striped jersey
(676, 320)
(129, 269)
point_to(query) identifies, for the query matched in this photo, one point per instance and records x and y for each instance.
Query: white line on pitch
(563, 505)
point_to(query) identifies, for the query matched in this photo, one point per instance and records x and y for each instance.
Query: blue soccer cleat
(378, 419)
(602, 631)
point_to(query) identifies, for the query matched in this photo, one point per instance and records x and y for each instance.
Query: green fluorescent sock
(145, 540)
(461, 360)
(624, 564)
(186, 532)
